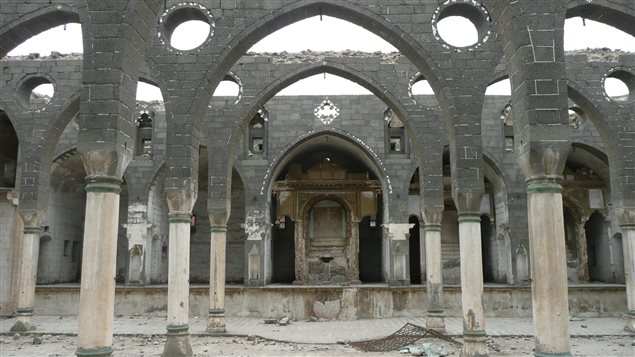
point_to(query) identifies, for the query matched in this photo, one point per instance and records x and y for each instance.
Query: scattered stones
(270, 321)
(283, 321)
(37, 340)
(16, 336)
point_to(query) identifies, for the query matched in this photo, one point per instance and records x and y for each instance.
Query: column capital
(626, 217)
(432, 215)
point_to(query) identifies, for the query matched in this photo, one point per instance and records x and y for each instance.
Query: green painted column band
(94, 352)
(179, 220)
(435, 310)
(546, 354)
(627, 227)
(432, 228)
(469, 218)
(631, 313)
(544, 187)
(219, 229)
(24, 311)
(475, 333)
(216, 312)
(178, 329)
(32, 230)
(103, 187)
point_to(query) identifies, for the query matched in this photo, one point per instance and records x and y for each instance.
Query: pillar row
(550, 303)
(28, 275)
(474, 335)
(216, 313)
(97, 294)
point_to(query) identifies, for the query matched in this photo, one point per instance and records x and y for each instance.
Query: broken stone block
(327, 310)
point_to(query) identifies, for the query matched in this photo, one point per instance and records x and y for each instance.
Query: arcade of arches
(390, 204)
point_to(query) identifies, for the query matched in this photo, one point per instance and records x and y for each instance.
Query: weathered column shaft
(28, 276)
(550, 301)
(628, 243)
(422, 254)
(177, 342)
(354, 253)
(300, 276)
(434, 277)
(472, 285)
(97, 295)
(216, 316)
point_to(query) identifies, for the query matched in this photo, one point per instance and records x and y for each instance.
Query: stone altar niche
(327, 204)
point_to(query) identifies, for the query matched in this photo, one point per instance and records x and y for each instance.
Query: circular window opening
(458, 31)
(461, 24)
(189, 35)
(620, 86)
(229, 91)
(36, 92)
(186, 28)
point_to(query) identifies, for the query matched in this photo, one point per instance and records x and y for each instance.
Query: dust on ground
(152, 345)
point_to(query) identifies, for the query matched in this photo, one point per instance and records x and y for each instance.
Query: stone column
(435, 318)
(138, 249)
(422, 253)
(474, 336)
(300, 260)
(434, 277)
(398, 234)
(97, 294)
(216, 314)
(353, 252)
(28, 273)
(547, 252)
(177, 342)
(627, 225)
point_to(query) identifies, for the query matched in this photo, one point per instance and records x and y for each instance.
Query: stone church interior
(394, 202)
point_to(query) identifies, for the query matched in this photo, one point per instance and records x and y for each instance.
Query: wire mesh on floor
(405, 336)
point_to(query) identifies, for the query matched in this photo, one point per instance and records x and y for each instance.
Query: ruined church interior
(493, 178)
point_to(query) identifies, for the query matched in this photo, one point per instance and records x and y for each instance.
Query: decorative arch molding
(371, 158)
(610, 13)
(307, 8)
(45, 18)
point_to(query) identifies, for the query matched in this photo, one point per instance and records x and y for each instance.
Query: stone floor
(143, 335)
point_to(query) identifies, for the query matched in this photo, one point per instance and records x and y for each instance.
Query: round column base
(630, 322)
(474, 344)
(435, 320)
(177, 342)
(23, 321)
(216, 321)
(94, 352)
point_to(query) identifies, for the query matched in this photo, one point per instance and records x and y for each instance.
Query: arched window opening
(415, 245)
(501, 88)
(144, 133)
(324, 84)
(582, 34)
(149, 93)
(322, 33)
(8, 152)
(63, 39)
(507, 120)
(395, 133)
(257, 136)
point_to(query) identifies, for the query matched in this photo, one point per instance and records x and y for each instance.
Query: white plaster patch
(255, 225)
(398, 231)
